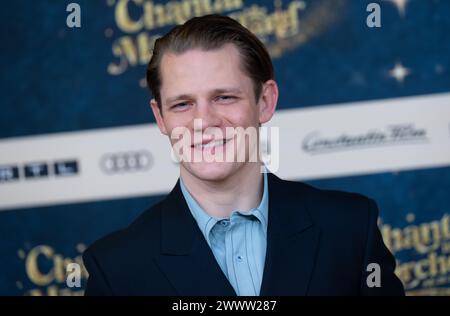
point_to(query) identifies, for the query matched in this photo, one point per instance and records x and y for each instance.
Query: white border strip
(319, 142)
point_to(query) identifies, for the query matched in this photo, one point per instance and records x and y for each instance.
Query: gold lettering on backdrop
(423, 238)
(280, 23)
(173, 12)
(31, 264)
(132, 51)
(125, 50)
(54, 291)
(123, 18)
(429, 240)
(144, 42)
(46, 269)
(425, 271)
(280, 29)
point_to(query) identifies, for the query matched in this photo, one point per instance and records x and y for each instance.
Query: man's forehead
(195, 72)
(224, 53)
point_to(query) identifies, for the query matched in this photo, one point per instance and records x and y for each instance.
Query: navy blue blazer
(319, 242)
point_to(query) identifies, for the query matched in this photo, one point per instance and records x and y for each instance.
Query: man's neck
(242, 191)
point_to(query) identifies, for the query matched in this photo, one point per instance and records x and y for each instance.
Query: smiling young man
(227, 228)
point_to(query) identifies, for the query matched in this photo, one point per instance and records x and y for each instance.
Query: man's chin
(213, 171)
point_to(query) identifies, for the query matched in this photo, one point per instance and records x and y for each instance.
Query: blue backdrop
(56, 79)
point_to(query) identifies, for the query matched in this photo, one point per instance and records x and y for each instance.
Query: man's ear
(268, 101)
(158, 116)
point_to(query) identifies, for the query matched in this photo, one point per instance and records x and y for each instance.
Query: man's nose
(204, 110)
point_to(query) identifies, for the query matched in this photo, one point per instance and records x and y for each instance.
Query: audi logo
(126, 161)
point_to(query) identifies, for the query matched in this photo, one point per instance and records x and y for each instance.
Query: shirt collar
(206, 222)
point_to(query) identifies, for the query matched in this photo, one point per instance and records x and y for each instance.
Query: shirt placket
(237, 260)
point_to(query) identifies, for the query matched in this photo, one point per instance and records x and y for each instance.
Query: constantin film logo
(282, 26)
(317, 143)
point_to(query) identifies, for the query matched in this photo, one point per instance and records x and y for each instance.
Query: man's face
(210, 85)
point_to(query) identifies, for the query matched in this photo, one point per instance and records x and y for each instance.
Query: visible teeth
(210, 144)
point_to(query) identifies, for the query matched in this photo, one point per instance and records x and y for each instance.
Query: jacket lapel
(292, 241)
(186, 259)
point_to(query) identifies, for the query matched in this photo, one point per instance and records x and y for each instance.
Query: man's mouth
(210, 144)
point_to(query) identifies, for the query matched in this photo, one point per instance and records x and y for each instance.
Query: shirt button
(240, 258)
(225, 223)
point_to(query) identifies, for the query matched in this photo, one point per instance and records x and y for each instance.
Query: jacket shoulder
(328, 197)
(130, 240)
(334, 209)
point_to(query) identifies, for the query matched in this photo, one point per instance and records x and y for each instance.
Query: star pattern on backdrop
(400, 5)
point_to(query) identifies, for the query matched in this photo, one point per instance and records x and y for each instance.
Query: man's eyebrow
(179, 97)
(227, 90)
(213, 92)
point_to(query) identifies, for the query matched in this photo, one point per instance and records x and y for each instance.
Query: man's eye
(179, 105)
(225, 98)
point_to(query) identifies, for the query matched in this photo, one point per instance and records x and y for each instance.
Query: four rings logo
(131, 161)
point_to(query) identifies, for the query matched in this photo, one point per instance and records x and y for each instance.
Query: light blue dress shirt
(238, 243)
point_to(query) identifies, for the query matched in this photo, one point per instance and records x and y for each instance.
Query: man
(226, 228)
